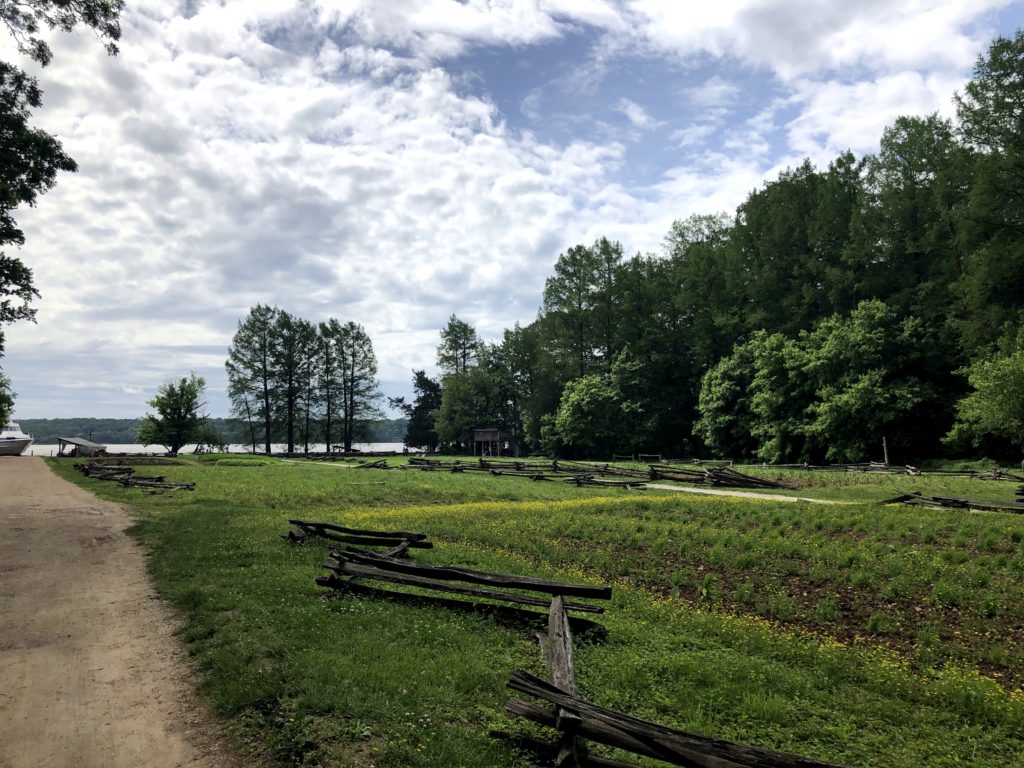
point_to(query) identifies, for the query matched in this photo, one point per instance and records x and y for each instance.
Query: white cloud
(637, 115)
(211, 181)
(440, 29)
(692, 134)
(794, 38)
(713, 93)
(835, 116)
(323, 158)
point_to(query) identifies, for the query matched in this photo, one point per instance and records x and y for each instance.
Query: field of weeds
(858, 633)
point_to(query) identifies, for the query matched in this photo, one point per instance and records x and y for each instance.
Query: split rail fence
(125, 475)
(914, 498)
(576, 721)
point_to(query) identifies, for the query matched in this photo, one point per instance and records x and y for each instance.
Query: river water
(51, 450)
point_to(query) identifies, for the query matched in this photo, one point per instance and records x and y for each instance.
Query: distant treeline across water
(122, 431)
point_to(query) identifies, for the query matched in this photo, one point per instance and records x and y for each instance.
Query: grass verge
(709, 629)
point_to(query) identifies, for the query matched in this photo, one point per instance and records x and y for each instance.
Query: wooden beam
(646, 738)
(558, 652)
(359, 531)
(451, 573)
(356, 570)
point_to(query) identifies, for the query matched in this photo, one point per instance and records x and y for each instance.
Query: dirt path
(90, 674)
(740, 494)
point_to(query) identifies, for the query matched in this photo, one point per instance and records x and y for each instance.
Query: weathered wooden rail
(914, 498)
(577, 721)
(881, 468)
(352, 564)
(125, 475)
(589, 481)
(398, 542)
(713, 476)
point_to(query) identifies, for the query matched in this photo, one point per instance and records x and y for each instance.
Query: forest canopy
(879, 297)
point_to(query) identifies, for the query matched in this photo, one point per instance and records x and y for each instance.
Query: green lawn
(862, 634)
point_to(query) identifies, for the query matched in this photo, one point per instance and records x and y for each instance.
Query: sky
(398, 161)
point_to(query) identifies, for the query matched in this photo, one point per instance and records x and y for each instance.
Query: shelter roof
(80, 441)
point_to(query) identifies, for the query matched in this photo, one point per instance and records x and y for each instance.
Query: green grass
(849, 633)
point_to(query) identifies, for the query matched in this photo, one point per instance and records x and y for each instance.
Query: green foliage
(603, 413)
(179, 419)
(460, 347)
(587, 417)
(866, 371)
(250, 372)
(836, 306)
(25, 21)
(991, 111)
(7, 396)
(726, 419)
(996, 404)
(833, 393)
(469, 401)
(289, 377)
(421, 411)
(580, 308)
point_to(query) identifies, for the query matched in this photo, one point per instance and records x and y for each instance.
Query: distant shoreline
(124, 431)
(50, 449)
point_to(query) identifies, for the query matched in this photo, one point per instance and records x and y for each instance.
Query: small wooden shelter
(79, 447)
(490, 441)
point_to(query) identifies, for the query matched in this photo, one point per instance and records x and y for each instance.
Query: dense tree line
(882, 296)
(311, 383)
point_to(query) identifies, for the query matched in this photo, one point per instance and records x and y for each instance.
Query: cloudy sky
(393, 162)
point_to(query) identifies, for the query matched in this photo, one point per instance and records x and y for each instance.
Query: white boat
(13, 441)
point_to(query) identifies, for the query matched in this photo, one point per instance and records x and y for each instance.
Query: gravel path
(740, 494)
(90, 673)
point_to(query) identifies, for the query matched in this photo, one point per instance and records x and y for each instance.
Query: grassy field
(858, 633)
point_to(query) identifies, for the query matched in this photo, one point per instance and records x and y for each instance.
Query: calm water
(51, 450)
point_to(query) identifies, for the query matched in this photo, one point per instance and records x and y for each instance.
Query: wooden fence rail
(577, 720)
(399, 542)
(125, 475)
(989, 505)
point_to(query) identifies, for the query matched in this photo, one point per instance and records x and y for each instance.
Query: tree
(31, 158)
(6, 399)
(581, 307)
(995, 406)
(309, 392)
(251, 372)
(179, 418)
(359, 388)
(291, 347)
(330, 334)
(459, 348)
(726, 421)
(904, 250)
(588, 416)
(603, 413)
(780, 394)
(468, 400)
(421, 411)
(869, 373)
(991, 113)
(25, 19)
(16, 291)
